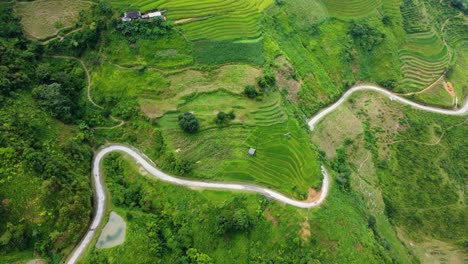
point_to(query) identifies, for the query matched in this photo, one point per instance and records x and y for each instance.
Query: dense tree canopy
(188, 122)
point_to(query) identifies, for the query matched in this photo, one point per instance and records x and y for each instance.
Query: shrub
(266, 81)
(250, 91)
(188, 122)
(223, 118)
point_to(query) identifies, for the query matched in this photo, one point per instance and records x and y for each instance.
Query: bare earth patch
(313, 195)
(305, 230)
(449, 88)
(284, 78)
(45, 18)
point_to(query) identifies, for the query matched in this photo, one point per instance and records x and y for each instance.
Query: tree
(223, 118)
(364, 35)
(188, 122)
(49, 96)
(266, 81)
(250, 91)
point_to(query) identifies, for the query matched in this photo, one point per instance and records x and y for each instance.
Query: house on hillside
(132, 15)
(129, 16)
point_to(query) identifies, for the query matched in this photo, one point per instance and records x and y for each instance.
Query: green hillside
(196, 90)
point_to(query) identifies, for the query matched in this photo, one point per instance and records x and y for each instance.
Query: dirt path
(59, 37)
(88, 91)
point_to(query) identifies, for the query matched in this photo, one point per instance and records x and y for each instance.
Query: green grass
(436, 96)
(109, 81)
(45, 18)
(222, 20)
(222, 52)
(168, 51)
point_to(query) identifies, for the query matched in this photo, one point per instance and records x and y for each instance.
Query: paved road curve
(313, 121)
(146, 163)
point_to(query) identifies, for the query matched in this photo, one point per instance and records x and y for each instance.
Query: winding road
(148, 165)
(392, 96)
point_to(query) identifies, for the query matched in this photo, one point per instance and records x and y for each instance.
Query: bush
(188, 122)
(266, 81)
(250, 91)
(223, 118)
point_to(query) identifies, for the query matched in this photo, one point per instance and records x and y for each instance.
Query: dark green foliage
(250, 91)
(231, 218)
(51, 98)
(266, 81)
(341, 166)
(93, 24)
(388, 84)
(387, 20)
(461, 5)
(221, 52)
(16, 58)
(11, 27)
(46, 173)
(144, 28)
(365, 36)
(188, 122)
(60, 89)
(223, 118)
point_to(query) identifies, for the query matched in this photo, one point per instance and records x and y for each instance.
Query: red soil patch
(449, 88)
(313, 195)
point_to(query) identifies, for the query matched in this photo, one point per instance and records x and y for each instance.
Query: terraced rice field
(425, 58)
(456, 31)
(424, 54)
(212, 19)
(414, 18)
(284, 159)
(351, 8)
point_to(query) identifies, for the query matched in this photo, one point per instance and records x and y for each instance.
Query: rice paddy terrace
(430, 41)
(351, 8)
(284, 157)
(209, 19)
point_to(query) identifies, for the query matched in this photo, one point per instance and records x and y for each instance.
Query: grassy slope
(275, 235)
(391, 173)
